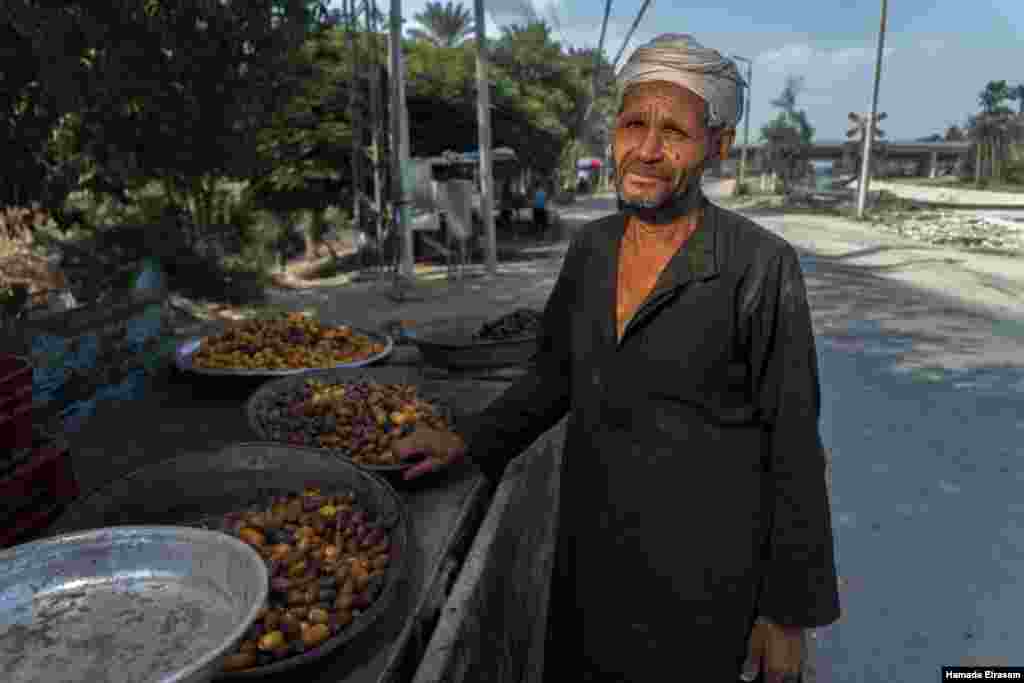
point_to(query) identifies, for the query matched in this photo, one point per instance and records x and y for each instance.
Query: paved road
(923, 408)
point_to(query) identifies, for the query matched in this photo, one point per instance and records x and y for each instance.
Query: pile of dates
(360, 420)
(327, 560)
(523, 322)
(291, 342)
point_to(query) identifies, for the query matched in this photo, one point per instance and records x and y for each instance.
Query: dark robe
(693, 484)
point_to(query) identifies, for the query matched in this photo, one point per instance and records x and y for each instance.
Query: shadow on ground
(908, 329)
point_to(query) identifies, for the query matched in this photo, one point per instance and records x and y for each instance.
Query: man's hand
(441, 448)
(776, 650)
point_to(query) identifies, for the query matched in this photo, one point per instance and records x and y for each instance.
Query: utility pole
(869, 131)
(400, 142)
(746, 123)
(483, 105)
(632, 29)
(374, 71)
(582, 134)
(352, 28)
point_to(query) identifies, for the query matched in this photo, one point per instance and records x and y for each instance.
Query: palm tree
(789, 135)
(444, 25)
(992, 125)
(982, 130)
(993, 98)
(1017, 94)
(785, 150)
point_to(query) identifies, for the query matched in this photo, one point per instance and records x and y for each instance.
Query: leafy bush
(259, 234)
(1013, 172)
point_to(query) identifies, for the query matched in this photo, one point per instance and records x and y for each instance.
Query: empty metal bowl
(126, 604)
(451, 344)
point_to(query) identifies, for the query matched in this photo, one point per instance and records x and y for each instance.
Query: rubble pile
(956, 228)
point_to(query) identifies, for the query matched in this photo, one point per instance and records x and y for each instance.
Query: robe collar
(697, 260)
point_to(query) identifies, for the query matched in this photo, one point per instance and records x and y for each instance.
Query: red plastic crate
(15, 402)
(34, 494)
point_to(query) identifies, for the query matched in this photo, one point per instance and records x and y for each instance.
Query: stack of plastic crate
(36, 475)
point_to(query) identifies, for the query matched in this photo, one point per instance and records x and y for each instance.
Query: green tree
(994, 97)
(444, 25)
(444, 73)
(167, 90)
(548, 87)
(595, 101)
(987, 132)
(1017, 94)
(789, 135)
(304, 149)
(990, 128)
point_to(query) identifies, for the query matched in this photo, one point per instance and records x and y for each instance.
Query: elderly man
(695, 540)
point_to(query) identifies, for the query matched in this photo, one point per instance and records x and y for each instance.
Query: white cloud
(791, 58)
(850, 55)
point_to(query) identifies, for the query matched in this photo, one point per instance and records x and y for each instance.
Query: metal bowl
(183, 358)
(126, 604)
(190, 489)
(450, 344)
(265, 428)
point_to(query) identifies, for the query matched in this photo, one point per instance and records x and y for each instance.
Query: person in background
(540, 209)
(694, 533)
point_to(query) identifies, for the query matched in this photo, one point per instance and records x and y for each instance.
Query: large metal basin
(192, 488)
(147, 604)
(270, 429)
(184, 357)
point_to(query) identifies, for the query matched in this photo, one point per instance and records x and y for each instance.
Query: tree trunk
(308, 218)
(997, 150)
(977, 165)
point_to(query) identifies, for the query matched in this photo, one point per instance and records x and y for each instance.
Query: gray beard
(677, 206)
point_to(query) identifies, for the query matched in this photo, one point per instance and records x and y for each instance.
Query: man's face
(661, 143)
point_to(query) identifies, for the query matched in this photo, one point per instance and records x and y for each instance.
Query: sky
(938, 54)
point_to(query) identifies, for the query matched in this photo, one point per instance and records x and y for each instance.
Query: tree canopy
(116, 95)
(789, 135)
(444, 25)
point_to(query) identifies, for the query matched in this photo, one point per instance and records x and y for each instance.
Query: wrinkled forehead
(664, 95)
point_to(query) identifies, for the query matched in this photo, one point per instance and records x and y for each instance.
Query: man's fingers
(417, 442)
(419, 469)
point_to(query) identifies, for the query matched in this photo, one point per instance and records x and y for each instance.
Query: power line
(636, 22)
(604, 28)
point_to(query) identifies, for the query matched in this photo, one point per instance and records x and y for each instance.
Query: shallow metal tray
(126, 604)
(189, 489)
(184, 353)
(264, 427)
(450, 344)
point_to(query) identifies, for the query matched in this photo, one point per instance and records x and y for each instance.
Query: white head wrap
(680, 59)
